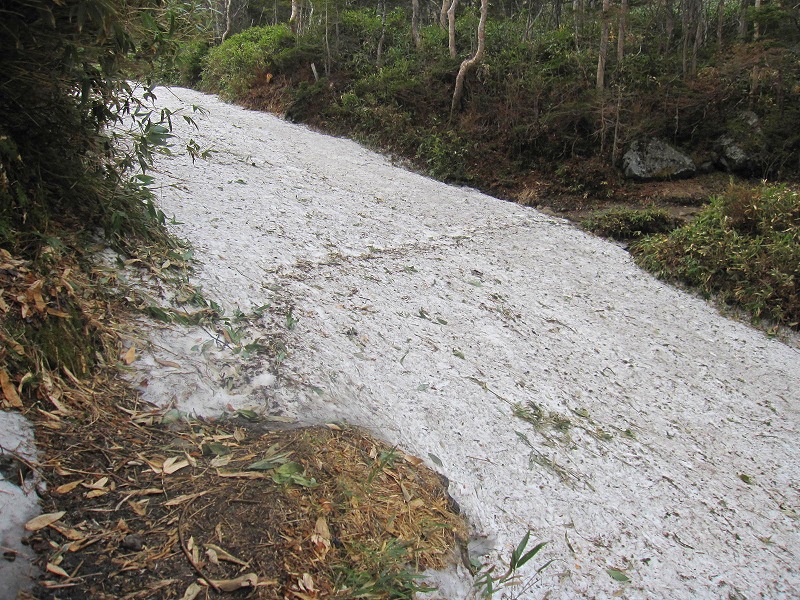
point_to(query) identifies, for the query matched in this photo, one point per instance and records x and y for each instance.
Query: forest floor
(555, 386)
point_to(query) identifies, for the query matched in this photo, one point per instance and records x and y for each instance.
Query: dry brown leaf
(168, 363)
(96, 493)
(192, 591)
(69, 533)
(56, 570)
(231, 585)
(10, 393)
(321, 538)
(174, 464)
(97, 485)
(68, 487)
(184, 498)
(42, 521)
(130, 355)
(222, 554)
(212, 556)
(333, 426)
(57, 313)
(414, 461)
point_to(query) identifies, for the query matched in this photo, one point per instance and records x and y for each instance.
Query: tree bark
(720, 23)
(443, 14)
(379, 59)
(470, 63)
(294, 18)
(451, 28)
(743, 19)
(415, 24)
(623, 16)
(603, 54)
(756, 26)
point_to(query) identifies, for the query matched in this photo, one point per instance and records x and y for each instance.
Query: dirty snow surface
(558, 387)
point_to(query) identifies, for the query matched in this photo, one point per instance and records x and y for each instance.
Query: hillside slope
(557, 386)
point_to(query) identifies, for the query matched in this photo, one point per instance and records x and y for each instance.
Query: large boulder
(655, 160)
(738, 150)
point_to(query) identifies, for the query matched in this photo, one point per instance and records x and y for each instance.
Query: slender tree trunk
(415, 24)
(443, 14)
(698, 35)
(623, 16)
(669, 25)
(379, 59)
(470, 63)
(756, 25)
(294, 18)
(603, 54)
(227, 31)
(720, 23)
(451, 28)
(328, 60)
(743, 19)
(685, 21)
(577, 19)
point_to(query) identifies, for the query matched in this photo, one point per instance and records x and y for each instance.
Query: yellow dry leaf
(10, 393)
(333, 426)
(130, 355)
(57, 313)
(69, 533)
(96, 493)
(68, 487)
(42, 521)
(231, 585)
(184, 498)
(174, 464)
(97, 485)
(222, 554)
(56, 570)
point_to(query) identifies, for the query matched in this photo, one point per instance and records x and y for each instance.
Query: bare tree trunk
(443, 14)
(623, 16)
(720, 22)
(601, 59)
(470, 63)
(685, 20)
(756, 25)
(451, 28)
(698, 35)
(743, 19)
(669, 26)
(379, 59)
(294, 18)
(415, 24)
(577, 19)
(227, 31)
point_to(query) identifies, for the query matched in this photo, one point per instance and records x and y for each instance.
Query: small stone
(132, 542)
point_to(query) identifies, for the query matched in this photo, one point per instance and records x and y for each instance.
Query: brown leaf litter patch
(213, 508)
(144, 502)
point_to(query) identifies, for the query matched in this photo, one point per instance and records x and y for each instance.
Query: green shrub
(628, 223)
(744, 248)
(234, 66)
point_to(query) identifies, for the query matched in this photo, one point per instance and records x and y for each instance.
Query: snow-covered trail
(668, 443)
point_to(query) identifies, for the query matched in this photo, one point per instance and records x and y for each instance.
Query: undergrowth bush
(630, 223)
(744, 248)
(234, 66)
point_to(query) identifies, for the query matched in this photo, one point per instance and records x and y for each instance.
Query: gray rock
(738, 149)
(732, 156)
(655, 160)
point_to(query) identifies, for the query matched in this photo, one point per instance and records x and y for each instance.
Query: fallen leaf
(43, 521)
(333, 426)
(192, 591)
(222, 554)
(130, 355)
(212, 556)
(414, 461)
(618, 575)
(172, 465)
(231, 585)
(56, 570)
(69, 533)
(168, 363)
(68, 487)
(321, 538)
(184, 498)
(12, 398)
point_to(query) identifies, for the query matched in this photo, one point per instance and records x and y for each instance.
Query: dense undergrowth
(532, 111)
(744, 248)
